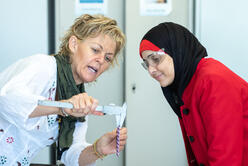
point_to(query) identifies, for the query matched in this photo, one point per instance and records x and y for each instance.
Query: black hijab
(186, 52)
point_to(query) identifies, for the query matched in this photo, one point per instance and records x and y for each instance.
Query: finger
(87, 101)
(94, 103)
(68, 111)
(77, 114)
(75, 102)
(98, 113)
(114, 131)
(93, 107)
(123, 130)
(123, 137)
(72, 101)
(112, 135)
(122, 143)
(121, 148)
(82, 104)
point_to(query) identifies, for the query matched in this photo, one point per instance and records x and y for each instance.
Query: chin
(164, 84)
(88, 80)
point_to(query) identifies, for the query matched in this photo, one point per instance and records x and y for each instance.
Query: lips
(93, 69)
(157, 76)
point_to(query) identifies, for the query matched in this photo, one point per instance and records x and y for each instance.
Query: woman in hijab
(89, 48)
(209, 99)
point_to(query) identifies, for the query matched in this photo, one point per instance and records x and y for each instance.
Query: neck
(76, 76)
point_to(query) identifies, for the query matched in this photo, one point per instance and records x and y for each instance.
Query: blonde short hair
(87, 26)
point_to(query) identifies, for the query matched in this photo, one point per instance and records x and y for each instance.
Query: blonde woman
(88, 49)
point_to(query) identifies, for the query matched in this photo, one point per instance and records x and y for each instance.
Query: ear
(73, 43)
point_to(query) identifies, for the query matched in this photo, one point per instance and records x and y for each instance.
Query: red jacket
(215, 116)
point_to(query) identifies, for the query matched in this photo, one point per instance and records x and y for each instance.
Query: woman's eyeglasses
(153, 59)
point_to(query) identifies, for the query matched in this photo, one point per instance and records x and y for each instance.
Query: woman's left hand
(107, 143)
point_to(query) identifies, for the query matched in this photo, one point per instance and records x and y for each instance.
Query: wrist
(97, 152)
(62, 112)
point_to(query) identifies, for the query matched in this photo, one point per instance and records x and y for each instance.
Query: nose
(151, 69)
(101, 58)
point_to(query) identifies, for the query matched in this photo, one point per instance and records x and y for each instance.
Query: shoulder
(43, 65)
(211, 70)
(40, 59)
(210, 67)
(212, 74)
(39, 65)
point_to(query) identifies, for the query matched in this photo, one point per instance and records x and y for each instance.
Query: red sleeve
(221, 109)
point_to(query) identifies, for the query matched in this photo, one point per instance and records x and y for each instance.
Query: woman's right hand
(83, 105)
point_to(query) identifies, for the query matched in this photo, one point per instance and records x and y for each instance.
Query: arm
(22, 85)
(221, 110)
(45, 110)
(106, 145)
(82, 106)
(29, 80)
(81, 153)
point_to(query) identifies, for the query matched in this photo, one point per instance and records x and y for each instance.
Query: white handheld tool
(119, 112)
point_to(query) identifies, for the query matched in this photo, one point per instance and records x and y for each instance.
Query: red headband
(147, 45)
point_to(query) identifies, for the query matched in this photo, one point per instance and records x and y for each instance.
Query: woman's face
(164, 71)
(91, 57)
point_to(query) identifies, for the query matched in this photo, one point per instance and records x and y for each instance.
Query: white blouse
(21, 138)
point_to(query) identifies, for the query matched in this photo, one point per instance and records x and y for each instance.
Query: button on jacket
(214, 119)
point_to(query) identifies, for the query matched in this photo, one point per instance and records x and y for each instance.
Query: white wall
(23, 29)
(222, 27)
(154, 135)
(24, 32)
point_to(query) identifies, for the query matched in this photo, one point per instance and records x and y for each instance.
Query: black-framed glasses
(154, 59)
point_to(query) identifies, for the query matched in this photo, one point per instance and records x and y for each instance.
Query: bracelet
(99, 155)
(63, 112)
